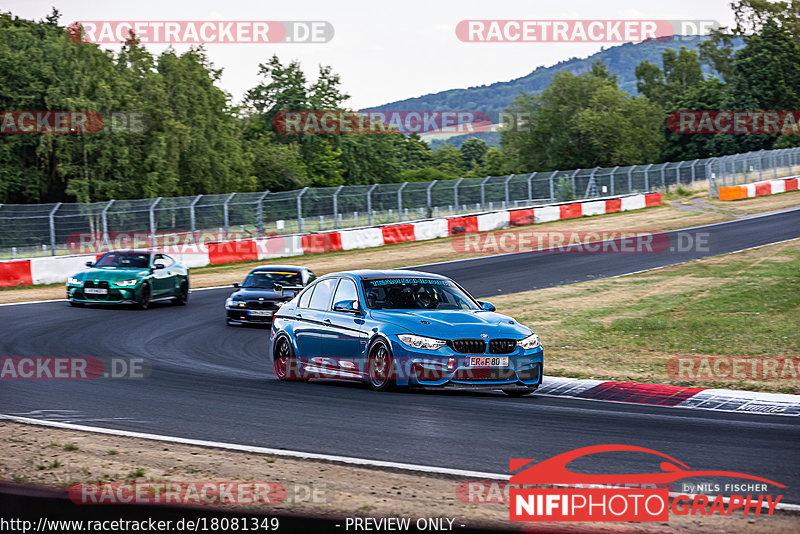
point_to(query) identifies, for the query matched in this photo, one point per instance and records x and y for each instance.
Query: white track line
(303, 455)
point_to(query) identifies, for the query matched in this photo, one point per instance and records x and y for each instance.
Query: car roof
(370, 274)
(278, 268)
(133, 252)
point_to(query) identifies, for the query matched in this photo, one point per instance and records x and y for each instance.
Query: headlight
(72, 281)
(419, 342)
(530, 342)
(127, 283)
(230, 303)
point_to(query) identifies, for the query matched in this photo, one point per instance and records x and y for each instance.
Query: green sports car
(136, 277)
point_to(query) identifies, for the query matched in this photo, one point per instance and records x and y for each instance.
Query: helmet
(426, 297)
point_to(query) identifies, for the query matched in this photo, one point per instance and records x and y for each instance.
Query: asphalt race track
(214, 382)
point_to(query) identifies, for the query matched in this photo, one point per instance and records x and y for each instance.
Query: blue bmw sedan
(402, 328)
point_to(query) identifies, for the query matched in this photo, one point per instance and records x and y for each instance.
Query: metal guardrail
(28, 230)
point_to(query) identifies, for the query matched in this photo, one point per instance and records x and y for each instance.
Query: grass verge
(740, 305)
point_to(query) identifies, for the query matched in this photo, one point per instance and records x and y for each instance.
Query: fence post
(260, 212)
(483, 191)
(530, 187)
(552, 187)
(647, 177)
(589, 184)
(400, 202)
(53, 229)
(663, 180)
(225, 213)
(678, 173)
(694, 164)
(508, 198)
(574, 174)
(774, 163)
(192, 221)
(611, 180)
(153, 222)
(760, 164)
(336, 207)
(104, 216)
(790, 164)
(630, 178)
(455, 193)
(369, 204)
(428, 195)
(300, 210)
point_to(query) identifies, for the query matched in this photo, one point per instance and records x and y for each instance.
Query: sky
(383, 51)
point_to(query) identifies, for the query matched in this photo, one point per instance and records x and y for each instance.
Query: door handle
(327, 322)
(298, 316)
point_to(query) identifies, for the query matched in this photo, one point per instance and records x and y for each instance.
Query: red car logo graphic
(554, 470)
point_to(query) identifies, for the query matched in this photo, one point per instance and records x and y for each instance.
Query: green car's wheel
(144, 297)
(183, 294)
(381, 369)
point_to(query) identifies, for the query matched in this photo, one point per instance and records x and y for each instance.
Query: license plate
(488, 361)
(95, 291)
(261, 313)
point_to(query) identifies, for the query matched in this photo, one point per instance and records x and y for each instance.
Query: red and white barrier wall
(758, 189)
(53, 269)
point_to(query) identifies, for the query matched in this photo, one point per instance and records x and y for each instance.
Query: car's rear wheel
(144, 297)
(381, 369)
(284, 363)
(518, 392)
(183, 294)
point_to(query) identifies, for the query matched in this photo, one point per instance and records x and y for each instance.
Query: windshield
(416, 294)
(265, 279)
(124, 260)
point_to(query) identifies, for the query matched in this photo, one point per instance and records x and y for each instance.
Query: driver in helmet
(426, 298)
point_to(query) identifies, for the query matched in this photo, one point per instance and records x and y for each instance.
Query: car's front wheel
(284, 364)
(144, 297)
(183, 294)
(381, 368)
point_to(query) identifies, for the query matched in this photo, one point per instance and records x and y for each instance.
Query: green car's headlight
(127, 283)
(530, 342)
(72, 281)
(420, 342)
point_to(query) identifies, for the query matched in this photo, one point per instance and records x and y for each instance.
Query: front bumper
(115, 295)
(243, 315)
(447, 369)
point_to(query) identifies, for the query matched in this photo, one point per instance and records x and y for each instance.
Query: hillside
(621, 60)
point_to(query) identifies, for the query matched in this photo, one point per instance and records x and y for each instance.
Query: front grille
(529, 375)
(468, 346)
(484, 373)
(93, 284)
(261, 305)
(502, 346)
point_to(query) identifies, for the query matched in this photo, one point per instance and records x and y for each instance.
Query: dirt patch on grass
(44, 456)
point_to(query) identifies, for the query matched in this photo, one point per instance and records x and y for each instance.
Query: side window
(167, 260)
(305, 298)
(311, 277)
(346, 292)
(321, 298)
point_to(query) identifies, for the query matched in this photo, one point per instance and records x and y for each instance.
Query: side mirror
(90, 264)
(158, 266)
(281, 289)
(236, 285)
(347, 306)
(488, 306)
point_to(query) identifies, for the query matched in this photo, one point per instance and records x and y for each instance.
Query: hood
(112, 274)
(454, 324)
(255, 293)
